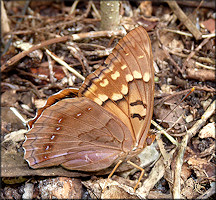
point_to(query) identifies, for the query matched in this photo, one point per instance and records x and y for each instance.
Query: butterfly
(108, 122)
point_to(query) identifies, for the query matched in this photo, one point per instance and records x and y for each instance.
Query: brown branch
(184, 19)
(205, 4)
(19, 56)
(4, 20)
(201, 74)
(74, 37)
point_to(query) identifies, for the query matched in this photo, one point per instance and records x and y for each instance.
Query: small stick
(205, 66)
(96, 34)
(95, 10)
(209, 35)
(179, 103)
(189, 34)
(19, 56)
(50, 69)
(184, 19)
(14, 110)
(178, 32)
(193, 52)
(167, 53)
(60, 61)
(73, 7)
(201, 59)
(171, 139)
(200, 74)
(189, 134)
(4, 20)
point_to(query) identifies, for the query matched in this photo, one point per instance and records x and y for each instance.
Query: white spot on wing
(116, 97)
(104, 83)
(123, 67)
(102, 97)
(115, 75)
(146, 77)
(98, 101)
(137, 75)
(129, 77)
(124, 89)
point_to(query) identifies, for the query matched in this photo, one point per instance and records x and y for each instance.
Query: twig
(19, 56)
(178, 32)
(189, 34)
(193, 52)
(32, 75)
(171, 139)
(95, 10)
(207, 194)
(190, 133)
(162, 148)
(60, 61)
(50, 69)
(73, 7)
(209, 35)
(96, 34)
(155, 175)
(166, 97)
(167, 53)
(17, 24)
(205, 4)
(200, 74)
(4, 20)
(98, 52)
(14, 110)
(78, 54)
(201, 59)
(205, 66)
(184, 19)
(170, 58)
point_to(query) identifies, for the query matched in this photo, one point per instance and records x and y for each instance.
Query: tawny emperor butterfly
(108, 122)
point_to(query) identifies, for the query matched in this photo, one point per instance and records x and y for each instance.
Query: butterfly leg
(141, 175)
(112, 172)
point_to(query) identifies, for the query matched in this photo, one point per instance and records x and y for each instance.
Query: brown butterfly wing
(78, 134)
(124, 85)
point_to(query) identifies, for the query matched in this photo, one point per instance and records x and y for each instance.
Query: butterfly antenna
(179, 103)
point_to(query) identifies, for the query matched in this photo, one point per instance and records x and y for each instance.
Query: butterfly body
(107, 122)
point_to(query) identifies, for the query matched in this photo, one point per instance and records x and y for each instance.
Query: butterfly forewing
(78, 134)
(125, 84)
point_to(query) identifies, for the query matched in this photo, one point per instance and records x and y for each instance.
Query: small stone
(189, 118)
(208, 131)
(28, 191)
(60, 188)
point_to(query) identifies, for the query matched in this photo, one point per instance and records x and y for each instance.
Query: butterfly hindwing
(78, 134)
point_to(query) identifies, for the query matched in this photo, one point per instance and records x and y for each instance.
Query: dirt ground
(42, 41)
